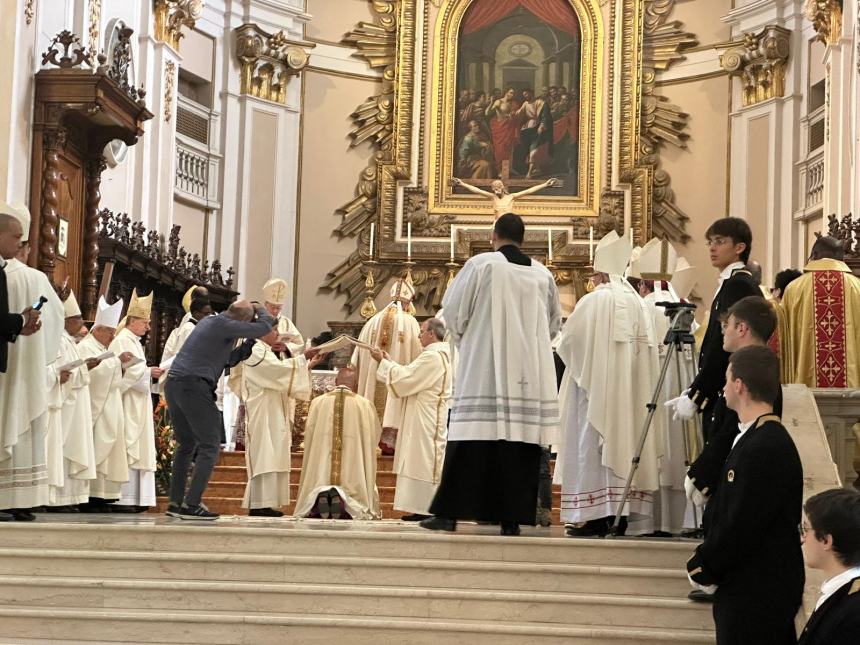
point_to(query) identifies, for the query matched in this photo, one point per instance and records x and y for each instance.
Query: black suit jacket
(837, 621)
(10, 323)
(713, 360)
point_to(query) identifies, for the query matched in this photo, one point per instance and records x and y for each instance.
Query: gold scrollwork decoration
(169, 89)
(29, 11)
(172, 15)
(268, 62)
(759, 61)
(826, 18)
(94, 28)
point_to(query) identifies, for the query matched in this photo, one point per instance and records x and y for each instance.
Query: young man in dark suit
(830, 538)
(751, 554)
(729, 245)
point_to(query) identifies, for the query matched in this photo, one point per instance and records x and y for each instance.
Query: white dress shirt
(832, 586)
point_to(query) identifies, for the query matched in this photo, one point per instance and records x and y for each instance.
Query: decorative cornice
(268, 61)
(172, 15)
(759, 61)
(826, 18)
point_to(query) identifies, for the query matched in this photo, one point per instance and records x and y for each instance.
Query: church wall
(333, 18)
(705, 19)
(759, 184)
(192, 219)
(328, 174)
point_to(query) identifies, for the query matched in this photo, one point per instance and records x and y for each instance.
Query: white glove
(683, 406)
(693, 493)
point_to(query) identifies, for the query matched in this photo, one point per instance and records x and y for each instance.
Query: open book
(134, 360)
(339, 343)
(105, 356)
(68, 367)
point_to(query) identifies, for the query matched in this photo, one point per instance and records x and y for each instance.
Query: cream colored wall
(198, 51)
(192, 219)
(699, 172)
(333, 18)
(704, 19)
(758, 185)
(261, 203)
(328, 175)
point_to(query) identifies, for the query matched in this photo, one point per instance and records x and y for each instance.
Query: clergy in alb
(822, 316)
(502, 310)
(395, 331)
(139, 492)
(75, 438)
(269, 384)
(196, 309)
(425, 388)
(339, 466)
(108, 417)
(610, 353)
(290, 342)
(24, 387)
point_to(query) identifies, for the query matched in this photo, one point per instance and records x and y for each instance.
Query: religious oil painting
(517, 110)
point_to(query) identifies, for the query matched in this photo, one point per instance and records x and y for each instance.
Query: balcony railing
(196, 179)
(815, 181)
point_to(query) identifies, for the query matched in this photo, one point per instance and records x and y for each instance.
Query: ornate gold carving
(169, 84)
(826, 18)
(759, 61)
(93, 28)
(29, 10)
(172, 15)
(268, 61)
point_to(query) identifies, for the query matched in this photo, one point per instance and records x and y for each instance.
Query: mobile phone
(38, 304)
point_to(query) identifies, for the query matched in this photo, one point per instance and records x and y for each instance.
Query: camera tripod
(678, 338)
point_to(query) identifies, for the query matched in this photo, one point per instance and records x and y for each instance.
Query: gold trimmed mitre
(70, 306)
(684, 278)
(275, 291)
(657, 260)
(139, 307)
(612, 254)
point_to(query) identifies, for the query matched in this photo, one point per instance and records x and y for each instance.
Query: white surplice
(501, 316)
(24, 389)
(269, 386)
(610, 352)
(108, 421)
(139, 424)
(424, 386)
(341, 435)
(174, 343)
(396, 332)
(78, 464)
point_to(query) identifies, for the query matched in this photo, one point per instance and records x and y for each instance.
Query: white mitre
(657, 260)
(684, 278)
(70, 306)
(402, 289)
(275, 291)
(633, 269)
(19, 211)
(612, 254)
(108, 315)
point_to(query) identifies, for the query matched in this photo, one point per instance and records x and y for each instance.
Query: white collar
(727, 272)
(2, 263)
(835, 583)
(743, 427)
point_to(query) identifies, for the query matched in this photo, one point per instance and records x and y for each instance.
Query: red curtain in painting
(484, 13)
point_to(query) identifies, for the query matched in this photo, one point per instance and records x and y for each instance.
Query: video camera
(681, 315)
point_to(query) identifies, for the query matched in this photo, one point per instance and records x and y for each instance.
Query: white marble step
(322, 627)
(336, 569)
(348, 539)
(358, 600)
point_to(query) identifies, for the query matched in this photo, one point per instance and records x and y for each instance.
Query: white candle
(631, 235)
(408, 240)
(452, 244)
(591, 244)
(372, 232)
(549, 244)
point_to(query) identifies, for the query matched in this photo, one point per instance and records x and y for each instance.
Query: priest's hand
(156, 371)
(279, 347)
(125, 357)
(32, 324)
(93, 363)
(683, 406)
(316, 360)
(694, 494)
(64, 376)
(376, 354)
(312, 352)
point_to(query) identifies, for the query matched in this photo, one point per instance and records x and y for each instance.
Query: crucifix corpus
(503, 200)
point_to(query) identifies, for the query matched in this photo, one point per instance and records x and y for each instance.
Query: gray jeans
(196, 428)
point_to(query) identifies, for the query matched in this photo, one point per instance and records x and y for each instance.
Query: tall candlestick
(549, 244)
(372, 232)
(631, 235)
(452, 244)
(408, 240)
(591, 244)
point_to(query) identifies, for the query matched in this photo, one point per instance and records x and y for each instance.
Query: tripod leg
(688, 456)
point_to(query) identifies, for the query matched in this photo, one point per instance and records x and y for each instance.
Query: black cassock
(752, 549)
(837, 621)
(713, 360)
(10, 323)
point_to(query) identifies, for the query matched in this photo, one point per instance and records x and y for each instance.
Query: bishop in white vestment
(76, 433)
(339, 465)
(610, 353)
(425, 389)
(24, 389)
(139, 492)
(395, 331)
(108, 416)
(269, 385)
(502, 309)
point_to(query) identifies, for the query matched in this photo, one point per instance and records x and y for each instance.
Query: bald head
(11, 234)
(241, 310)
(755, 271)
(347, 377)
(829, 248)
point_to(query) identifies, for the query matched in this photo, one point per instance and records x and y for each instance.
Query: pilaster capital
(268, 61)
(172, 15)
(759, 60)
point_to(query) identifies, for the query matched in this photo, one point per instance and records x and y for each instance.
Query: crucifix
(503, 201)
(523, 383)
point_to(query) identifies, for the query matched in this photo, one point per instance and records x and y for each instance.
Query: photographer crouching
(190, 394)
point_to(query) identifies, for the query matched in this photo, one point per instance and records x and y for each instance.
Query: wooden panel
(71, 212)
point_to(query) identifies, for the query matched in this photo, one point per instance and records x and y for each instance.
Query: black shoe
(265, 512)
(324, 506)
(22, 515)
(173, 510)
(63, 509)
(415, 517)
(697, 595)
(436, 523)
(336, 507)
(197, 513)
(122, 508)
(591, 528)
(6, 517)
(509, 528)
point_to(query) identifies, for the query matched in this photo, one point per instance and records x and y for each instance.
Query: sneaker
(197, 513)
(173, 510)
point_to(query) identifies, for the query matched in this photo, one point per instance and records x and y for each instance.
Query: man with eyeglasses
(729, 243)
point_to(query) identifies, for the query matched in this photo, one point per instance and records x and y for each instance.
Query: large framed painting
(517, 102)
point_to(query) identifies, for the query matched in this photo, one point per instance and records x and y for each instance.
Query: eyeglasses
(718, 241)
